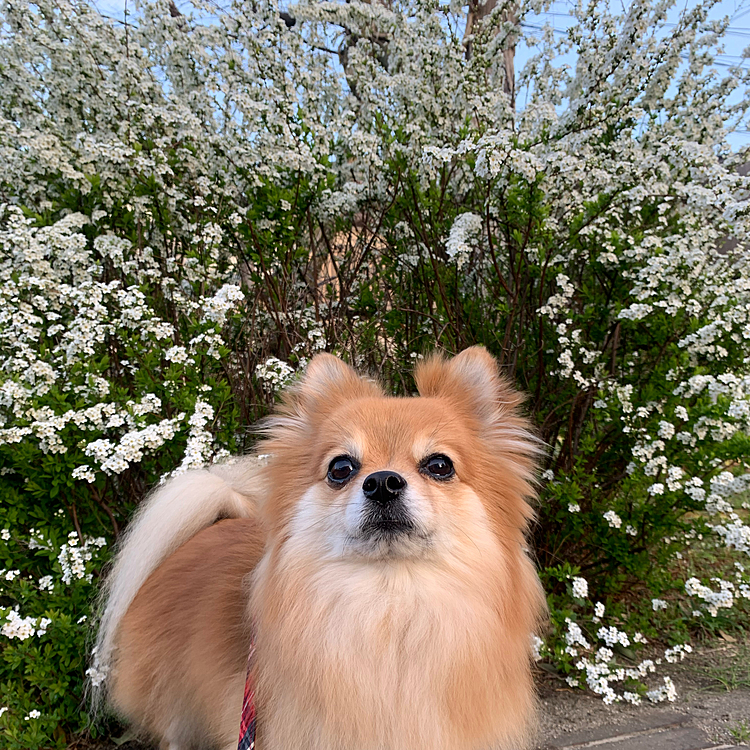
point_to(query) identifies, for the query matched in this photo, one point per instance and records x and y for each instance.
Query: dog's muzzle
(386, 515)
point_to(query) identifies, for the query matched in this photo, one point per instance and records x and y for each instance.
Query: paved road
(661, 731)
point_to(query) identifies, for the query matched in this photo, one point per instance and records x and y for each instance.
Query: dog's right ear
(326, 383)
(330, 378)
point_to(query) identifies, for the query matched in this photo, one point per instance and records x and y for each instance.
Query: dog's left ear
(471, 380)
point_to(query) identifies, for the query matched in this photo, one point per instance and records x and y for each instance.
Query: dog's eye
(438, 466)
(341, 469)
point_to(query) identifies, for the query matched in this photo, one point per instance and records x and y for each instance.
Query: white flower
(84, 472)
(536, 645)
(275, 373)
(613, 519)
(666, 430)
(34, 714)
(658, 604)
(580, 588)
(97, 674)
(677, 653)
(714, 600)
(5, 534)
(666, 692)
(612, 635)
(636, 311)
(216, 308)
(574, 507)
(199, 444)
(466, 229)
(23, 628)
(574, 635)
(73, 558)
(674, 475)
(176, 354)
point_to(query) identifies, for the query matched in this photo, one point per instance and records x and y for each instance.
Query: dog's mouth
(387, 528)
(387, 521)
(390, 532)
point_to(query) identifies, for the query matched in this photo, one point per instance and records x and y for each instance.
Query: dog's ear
(326, 383)
(471, 381)
(330, 379)
(472, 385)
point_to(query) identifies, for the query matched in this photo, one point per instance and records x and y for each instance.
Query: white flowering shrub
(45, 606)
(196, 201)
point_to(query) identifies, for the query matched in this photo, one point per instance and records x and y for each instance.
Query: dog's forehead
(391, 426)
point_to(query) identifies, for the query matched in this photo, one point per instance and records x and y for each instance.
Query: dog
(375, 560)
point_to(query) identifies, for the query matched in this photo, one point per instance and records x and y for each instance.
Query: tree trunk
(478, 11)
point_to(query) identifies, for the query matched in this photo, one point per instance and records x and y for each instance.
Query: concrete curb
(656, 731)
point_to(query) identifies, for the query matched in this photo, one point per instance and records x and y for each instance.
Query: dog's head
(358, 475)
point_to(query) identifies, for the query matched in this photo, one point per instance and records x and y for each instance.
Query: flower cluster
(275, 373)
(466, 227)
(200, 440)
(74, 556)
(22, 628)
(590, 658)
(713, 600)
(580, 587)
(53, 591)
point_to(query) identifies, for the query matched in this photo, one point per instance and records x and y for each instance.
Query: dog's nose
(383, 486)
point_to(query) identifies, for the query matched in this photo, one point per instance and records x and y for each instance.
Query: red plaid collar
(247, 723)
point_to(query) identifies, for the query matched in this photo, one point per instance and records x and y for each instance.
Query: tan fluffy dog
(377, 557)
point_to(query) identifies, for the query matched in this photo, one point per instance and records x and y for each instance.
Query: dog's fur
(419, 641)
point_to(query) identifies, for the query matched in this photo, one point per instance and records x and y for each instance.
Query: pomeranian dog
(375, 559)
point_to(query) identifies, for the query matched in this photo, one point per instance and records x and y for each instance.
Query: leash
(248, 720)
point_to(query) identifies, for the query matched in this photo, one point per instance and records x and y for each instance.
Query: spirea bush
(194, 203)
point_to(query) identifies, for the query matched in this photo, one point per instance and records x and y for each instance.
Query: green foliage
(44, 672)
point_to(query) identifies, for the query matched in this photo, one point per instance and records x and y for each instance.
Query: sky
(736, 40)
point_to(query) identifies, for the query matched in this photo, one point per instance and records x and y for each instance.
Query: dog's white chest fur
(373, 657)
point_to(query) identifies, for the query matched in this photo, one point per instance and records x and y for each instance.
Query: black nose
(383, 486)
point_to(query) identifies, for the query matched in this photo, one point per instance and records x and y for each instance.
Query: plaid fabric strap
(247, 723)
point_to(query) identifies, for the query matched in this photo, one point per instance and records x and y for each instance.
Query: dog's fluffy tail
(173, 513)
